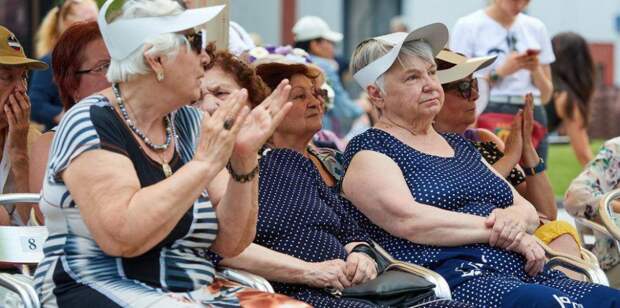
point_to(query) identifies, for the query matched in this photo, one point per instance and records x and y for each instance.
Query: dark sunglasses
(465, 87)
(195, 41)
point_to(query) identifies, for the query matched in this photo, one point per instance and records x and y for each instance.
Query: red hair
(67, 58)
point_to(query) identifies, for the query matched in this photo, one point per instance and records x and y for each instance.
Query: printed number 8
(32, 244)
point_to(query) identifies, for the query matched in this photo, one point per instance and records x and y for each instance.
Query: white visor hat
(122, 37)
(436, 35)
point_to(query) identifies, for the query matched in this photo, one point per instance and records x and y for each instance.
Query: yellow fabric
(551, 230)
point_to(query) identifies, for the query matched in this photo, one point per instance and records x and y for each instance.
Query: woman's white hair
(372, 49)
(166, 44)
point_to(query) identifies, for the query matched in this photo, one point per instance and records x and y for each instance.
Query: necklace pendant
(167, 170)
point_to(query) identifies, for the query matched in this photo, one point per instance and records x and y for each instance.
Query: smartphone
(532, 52)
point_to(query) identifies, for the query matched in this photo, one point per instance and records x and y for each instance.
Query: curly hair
(242, 73)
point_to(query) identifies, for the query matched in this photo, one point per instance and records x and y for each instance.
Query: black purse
(394, 286)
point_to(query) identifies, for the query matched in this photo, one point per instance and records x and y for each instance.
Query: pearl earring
(160, 76)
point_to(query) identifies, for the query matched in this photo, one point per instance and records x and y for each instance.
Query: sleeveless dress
(301, 216)
(478, 274)
(75, 272)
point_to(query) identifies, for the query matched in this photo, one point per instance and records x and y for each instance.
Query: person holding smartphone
(524, 55)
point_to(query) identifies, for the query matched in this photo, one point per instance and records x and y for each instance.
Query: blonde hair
(49, 31)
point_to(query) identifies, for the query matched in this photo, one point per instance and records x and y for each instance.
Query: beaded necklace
(170, 131)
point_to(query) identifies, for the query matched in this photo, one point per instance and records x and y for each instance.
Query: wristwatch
(494, 77)
(535, 170)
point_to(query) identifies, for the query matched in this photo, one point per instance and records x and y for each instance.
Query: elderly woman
(80, 62)
(305, 240)
(458, 114)
(600, 176)
(126, 188)
(15, 132)
(429, 198)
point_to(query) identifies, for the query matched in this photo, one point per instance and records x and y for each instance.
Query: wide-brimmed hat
(273, 60)
(122, 37)
(463, 66)
(436, 35)
(313, 27)
(12, 52)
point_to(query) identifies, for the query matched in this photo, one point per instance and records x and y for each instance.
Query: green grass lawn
(563, 167)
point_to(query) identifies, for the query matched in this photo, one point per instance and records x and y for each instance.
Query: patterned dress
(302, 217)
(599, 177)
(75, 272)
(478, 274)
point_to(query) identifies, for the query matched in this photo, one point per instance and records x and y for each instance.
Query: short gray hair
(166, 44)
(372, 49)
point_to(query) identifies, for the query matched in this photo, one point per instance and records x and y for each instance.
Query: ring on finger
(228, 123)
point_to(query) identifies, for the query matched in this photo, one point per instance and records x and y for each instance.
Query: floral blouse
(600, 176)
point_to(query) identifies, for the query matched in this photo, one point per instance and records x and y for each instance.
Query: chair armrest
(594, 274)
(442, 289)
(26, 292)
(19, 198)
(592, 225)
(586, 265)
(606, 212)
(245, 278)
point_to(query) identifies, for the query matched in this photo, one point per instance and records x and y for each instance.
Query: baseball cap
(12, 52)
(463, 66)
(436, 35)
(313, 27)
(122, 37)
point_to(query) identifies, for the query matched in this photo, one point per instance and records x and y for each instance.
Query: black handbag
(395, 286)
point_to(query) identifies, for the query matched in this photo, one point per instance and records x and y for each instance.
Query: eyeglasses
(197, 41)
(465, 87)
(99, 69)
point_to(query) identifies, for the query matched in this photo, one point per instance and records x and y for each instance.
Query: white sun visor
(436, 35)
(122, 37)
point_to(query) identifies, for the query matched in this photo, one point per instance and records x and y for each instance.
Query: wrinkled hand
(506, 225)
(262, 121)
(327, 274)
(360, 268)
(17, 111)
(514, 142)
(216, 143)
(527, 246)
(529, 156)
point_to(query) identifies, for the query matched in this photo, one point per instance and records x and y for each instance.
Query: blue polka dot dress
(302, 217)
(478, 274)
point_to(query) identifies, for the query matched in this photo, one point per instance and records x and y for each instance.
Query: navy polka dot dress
(478, 274)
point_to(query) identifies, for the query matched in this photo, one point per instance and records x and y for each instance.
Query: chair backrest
(21, 244)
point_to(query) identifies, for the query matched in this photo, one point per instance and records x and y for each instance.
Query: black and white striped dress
(76, 272)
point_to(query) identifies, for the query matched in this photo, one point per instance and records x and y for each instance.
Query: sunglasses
(465, 87)
(197, 41)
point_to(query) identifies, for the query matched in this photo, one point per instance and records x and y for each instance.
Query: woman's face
(96, 61)
(512, 7)
(412, 92)
(12, 80)
(183, 73)
(306, 115)
(216, 86)
(457, 110)
(79, 11)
